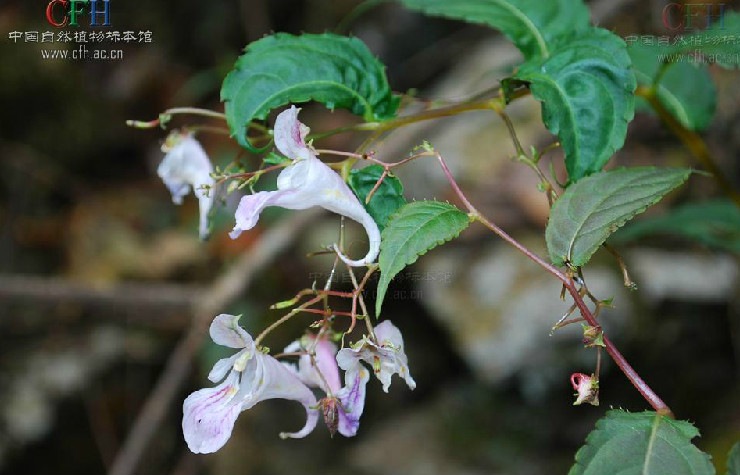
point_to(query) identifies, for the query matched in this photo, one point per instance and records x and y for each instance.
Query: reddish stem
(377, 185)
(320, 311)
(335, 293)
(650, 396)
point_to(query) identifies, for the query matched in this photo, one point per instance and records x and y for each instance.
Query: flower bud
(330, 407)
(593, 336)
(587, 388)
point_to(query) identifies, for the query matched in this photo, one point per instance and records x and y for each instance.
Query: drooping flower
(386, 356)
(251, 376)
(587, 388)
(342, 406)
(305, 183)
(186, 165)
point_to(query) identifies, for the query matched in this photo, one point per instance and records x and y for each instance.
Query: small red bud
(330, 408)
(587, 388)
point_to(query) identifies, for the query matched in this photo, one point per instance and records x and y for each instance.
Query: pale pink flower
(251, 376)
(186, 165)
(385, 355)
(305, 183)
(343, 406)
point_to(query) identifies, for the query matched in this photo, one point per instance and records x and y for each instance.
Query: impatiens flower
(587, 388)
(305, 183)
(186, 165)
(251, 376)
(386, 357)
(342, 406)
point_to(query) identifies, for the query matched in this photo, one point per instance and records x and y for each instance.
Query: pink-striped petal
(209, 415)
(352, 398)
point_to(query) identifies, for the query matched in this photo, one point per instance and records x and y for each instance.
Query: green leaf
(733, 460)
(338, 71)
(685, 89)
(715, 224)
(717, 44)
(592, 209)
(386, 200)
(644, 443)
(530, 24)
(412, 231)
(586, 87)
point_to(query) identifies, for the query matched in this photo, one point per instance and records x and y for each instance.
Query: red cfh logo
(683, 16)
(60, 13)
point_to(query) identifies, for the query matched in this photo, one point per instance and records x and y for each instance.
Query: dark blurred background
(98, 267)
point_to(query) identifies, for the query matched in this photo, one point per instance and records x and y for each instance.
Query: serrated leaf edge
(614, 226)
(240, 135)
(615, 413)
(387, 280)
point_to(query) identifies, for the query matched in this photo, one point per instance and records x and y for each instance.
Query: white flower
(387, 357)
(209, 414)
(343, 406)
(305, 183)
(186, 165)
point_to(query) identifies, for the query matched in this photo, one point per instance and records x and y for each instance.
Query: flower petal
(223, 366)
(347, 358)
(290, 135)
(251, 206)
(325, 352)
(184, 166)
(352, 397)
(266, 378)
(225, 331)
(327, 363)
(389, 336)
(209, 415)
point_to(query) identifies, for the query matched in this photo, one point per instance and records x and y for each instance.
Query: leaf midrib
(651, 443)
(528, 23)
(598, 203)
(408, 238)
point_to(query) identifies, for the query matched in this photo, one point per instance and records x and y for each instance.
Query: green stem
(195, 111)
(284, 319)
(691, 140)
(496, 103)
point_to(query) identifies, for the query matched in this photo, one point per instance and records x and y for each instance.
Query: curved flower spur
(305, 183)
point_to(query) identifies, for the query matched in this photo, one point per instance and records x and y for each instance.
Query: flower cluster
(305, 183)
(251, 376)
